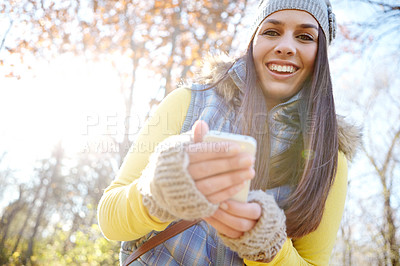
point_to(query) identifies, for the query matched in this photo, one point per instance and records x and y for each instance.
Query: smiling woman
(280, 93)
(284, 51)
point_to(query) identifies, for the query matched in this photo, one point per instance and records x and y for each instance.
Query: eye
(272, 33)
(305, 37)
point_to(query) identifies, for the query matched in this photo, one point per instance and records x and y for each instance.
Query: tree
(7, 178)
(384, 22)
(367, 49)
(164, 39)
(380, 25)
(386, 166)
(9, 213)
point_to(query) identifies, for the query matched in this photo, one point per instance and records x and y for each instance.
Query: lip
(281, 76)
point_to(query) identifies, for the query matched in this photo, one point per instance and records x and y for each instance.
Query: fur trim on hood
(213, 69)
(216, 66)
(349, 137)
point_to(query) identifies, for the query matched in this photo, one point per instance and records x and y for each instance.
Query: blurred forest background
(107, 64)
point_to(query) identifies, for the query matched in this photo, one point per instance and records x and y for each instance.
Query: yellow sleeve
(121, 214)
(316, 247)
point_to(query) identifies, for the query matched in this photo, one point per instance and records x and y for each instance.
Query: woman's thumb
(200, 128)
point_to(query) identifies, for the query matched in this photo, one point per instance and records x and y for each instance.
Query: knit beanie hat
(321, 10)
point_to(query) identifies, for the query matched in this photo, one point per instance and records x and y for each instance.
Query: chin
(280, 93)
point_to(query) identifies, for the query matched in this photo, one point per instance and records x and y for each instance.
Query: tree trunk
(386, 178)
(57, 155)
(123, 147)
(42, 207)
(391, 232)
(11, 211)
(28, 216)
(170, 63)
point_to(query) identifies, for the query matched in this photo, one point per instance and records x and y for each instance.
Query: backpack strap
(160, 238)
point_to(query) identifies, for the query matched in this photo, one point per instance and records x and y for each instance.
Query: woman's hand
(219, 169)
(233, 218)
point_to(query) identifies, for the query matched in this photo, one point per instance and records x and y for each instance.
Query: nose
(285, 46)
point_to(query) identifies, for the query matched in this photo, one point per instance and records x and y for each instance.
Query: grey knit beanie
(321, 10)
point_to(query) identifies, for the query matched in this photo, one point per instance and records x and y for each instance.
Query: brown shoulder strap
(163, 236)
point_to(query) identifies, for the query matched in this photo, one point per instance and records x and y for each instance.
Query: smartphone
(247, 144)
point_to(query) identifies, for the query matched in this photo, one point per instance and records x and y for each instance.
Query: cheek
(260, 49)
(310, 59)
(256, 53)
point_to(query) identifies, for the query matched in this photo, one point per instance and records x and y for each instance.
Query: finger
(223, 228)
(211, 150)
(237, 223)
(225, 194)
(211, 185)
(250, 210)
(203, 169)
(200, 128)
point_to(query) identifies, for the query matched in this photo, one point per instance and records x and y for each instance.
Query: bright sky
(69, 99)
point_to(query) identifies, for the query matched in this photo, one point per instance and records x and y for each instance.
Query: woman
(280, 93)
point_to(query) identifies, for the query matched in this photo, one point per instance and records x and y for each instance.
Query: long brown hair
(320, 140)
(309, 165)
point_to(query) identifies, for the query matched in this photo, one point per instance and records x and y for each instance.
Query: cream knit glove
(168, 190)
(267, 237)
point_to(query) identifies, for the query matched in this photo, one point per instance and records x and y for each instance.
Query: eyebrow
(277, 22)
(308, 26)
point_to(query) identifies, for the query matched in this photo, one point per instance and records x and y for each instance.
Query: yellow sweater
(123, 217)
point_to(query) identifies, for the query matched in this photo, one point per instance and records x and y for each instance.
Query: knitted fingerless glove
(168, 190)
(267, 237)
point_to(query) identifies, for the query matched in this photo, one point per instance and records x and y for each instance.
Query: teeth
(279, 68)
